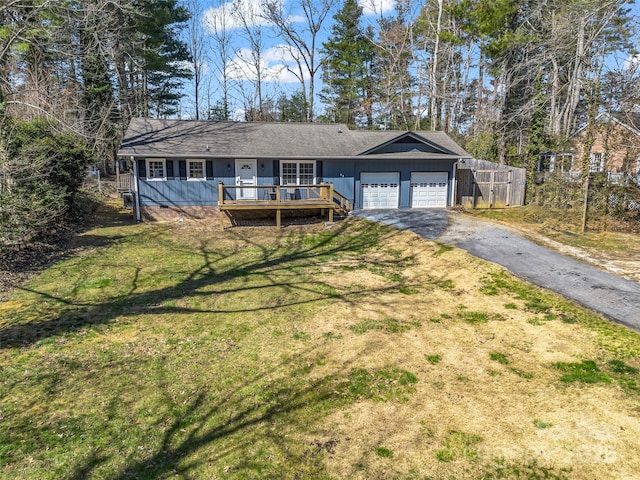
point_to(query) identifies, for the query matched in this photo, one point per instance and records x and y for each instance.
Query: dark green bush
(42, 169)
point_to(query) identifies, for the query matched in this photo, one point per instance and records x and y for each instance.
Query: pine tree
(163, 56)
(347, 74)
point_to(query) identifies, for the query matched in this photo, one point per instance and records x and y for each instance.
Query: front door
(246, 176)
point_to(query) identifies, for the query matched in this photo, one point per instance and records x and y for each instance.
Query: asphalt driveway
(603, 292)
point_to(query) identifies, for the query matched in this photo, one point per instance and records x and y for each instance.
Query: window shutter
(142, 169)
(276, 172)
(169, 168)
(182, 169)
(209, 168)
(319, 173)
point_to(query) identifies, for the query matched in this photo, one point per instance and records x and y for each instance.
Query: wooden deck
(277, 198)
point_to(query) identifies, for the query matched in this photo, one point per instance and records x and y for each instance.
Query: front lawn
(350, 351)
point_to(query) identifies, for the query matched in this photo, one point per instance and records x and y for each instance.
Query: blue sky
(276, 57)
(278, 63)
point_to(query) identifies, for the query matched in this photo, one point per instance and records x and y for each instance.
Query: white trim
(596, 161)
(204, 170)
(297, 164)
(249, 193)
(135, 186)
(147, 166)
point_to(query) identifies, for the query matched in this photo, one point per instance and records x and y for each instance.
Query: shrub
(42, 171)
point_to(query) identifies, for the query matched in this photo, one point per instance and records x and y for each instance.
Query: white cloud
(229, 15)
(239, 115)
(376, 7)
(278, 53)
(632, 62)
(204, 66)
(273, 66)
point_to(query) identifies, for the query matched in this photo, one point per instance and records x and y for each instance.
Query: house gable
(616, 144)
(628, 121)
(408, 142)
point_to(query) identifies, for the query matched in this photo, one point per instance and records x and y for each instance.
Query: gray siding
(180, 192)
(349, 184)
(343, 173)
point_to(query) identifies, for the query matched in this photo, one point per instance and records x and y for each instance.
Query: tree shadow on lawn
(275, 267)
(199, 425)
(17, 265)
(232, 428)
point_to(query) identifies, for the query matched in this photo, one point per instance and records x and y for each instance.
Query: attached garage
(429, 190)
(380, 190)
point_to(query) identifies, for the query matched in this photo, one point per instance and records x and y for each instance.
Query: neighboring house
(615, 151)
(187, 168)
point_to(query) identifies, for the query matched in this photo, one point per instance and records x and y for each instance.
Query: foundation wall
(163, 214)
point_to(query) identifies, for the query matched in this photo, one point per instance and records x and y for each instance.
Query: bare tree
(250, 19)
(196, 49)
(301, 41)
(217, 23)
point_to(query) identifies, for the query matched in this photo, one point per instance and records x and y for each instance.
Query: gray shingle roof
(153, 137)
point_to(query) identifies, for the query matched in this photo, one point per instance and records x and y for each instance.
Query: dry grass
(180, 350)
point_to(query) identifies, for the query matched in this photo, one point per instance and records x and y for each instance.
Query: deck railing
(124, 182)
(274, 194)
(281, 197)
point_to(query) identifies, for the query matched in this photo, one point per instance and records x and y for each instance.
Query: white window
(195, 170)
(596, 162)
(297, 172)
(564, 162)
(545, 162)
(156, 169)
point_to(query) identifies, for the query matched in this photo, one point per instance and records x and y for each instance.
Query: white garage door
(429, 190)
(380, 190)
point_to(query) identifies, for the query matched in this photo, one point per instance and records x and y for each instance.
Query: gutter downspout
(454, 190)
(136, 187)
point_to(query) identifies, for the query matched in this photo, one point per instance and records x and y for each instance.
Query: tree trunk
(435, 121)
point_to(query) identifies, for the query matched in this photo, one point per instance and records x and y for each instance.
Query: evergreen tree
(163, 55)
(291, 109)
(347, 73)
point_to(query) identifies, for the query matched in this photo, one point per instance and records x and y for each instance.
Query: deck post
(220, 202)
(278, 218)
(331, 200)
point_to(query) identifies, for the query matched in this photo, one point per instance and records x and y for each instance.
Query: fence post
(475, 186)
(492, 186)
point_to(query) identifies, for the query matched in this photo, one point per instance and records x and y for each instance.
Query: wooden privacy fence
(495, 188)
